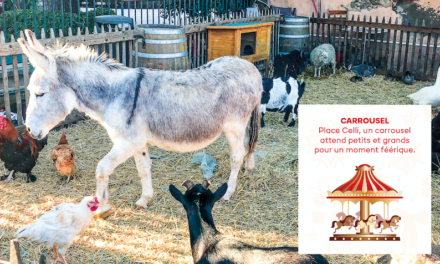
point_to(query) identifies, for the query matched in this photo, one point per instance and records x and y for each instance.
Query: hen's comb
(94, 196)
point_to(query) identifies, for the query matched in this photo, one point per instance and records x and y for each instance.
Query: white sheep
(323, 55)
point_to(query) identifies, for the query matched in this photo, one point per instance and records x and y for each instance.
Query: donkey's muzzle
(39, 136)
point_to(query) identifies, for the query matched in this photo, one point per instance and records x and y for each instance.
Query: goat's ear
(220, 192)
(36, 58)
(302, 55)
(176, 194)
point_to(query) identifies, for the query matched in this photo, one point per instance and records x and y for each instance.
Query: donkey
(176, 111)
(209, 246)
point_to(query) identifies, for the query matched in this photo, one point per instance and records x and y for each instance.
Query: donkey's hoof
(143, 203)
(104, 211)
(227, 196)
(106, 214)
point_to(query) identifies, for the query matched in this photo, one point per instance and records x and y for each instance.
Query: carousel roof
(364, 180)
(364, 186)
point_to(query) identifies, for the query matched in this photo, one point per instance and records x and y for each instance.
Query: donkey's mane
(83, 53)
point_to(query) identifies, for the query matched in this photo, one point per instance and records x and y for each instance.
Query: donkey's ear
(176, 194)
(220, 192)
(33, 41)
(36, 58)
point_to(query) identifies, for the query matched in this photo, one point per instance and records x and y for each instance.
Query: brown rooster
(18, 150)
(63, 157)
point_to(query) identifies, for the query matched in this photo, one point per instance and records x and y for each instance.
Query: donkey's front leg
(120, 152)
(143, 164)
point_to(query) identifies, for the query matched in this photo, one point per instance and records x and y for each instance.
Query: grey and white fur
(177, 111)
(322, 55)
(281, 95)
(209, 246)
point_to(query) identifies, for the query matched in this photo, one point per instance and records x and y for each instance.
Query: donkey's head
(49, 100)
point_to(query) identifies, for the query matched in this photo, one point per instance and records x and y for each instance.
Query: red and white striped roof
(364, 180)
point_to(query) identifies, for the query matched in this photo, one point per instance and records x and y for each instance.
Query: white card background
(409, 173)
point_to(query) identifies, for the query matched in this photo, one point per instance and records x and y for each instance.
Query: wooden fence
(118, 44)
(391, 47)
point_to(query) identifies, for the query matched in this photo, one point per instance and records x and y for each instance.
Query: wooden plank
(312, 36)
(329, 34)
(334, 33)
(25, 73)
(17, 91)
(356, 43)
(374, 49)
(199, 49)
(368, 46)
(318, 29)
(321, 26)
(15, 255)
(344, 57)
(434, 53)
(387, 50)
(363, 42)
(405, 60)
(381, 44)
(394, 47)
(428, 44)
(350, 51)
(5, 84)
(191, 63)
(413, 49)
(419, 57)
(338, 59)
(399, 58)
(118, 58)
(103, 38)
(136, 50)
(203, 47)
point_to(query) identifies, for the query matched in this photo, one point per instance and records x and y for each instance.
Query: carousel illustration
(366, 189)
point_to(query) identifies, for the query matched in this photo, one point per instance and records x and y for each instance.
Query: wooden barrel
(163, 47)
(294, 34)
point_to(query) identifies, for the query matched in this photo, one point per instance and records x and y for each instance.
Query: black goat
(290, 65)
(209, 246)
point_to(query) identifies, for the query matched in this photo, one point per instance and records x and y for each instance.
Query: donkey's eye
(39, 94)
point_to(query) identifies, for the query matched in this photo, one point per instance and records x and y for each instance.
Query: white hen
(60, 225)
(428, 95)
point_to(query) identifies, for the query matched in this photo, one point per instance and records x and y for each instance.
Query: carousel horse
(369, 222)
(358, 215)
(389, 223)
(379, 219)
(340, 215)
(349, 220)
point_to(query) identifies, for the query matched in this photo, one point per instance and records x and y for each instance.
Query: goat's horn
(188, 184)
(206, 184)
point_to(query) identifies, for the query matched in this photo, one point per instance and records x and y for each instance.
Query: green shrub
(39, 19)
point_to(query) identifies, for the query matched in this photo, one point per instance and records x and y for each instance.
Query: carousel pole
(388, 212)
(365, 212)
